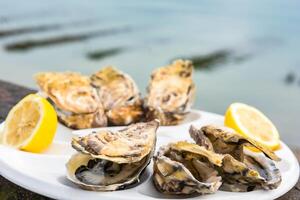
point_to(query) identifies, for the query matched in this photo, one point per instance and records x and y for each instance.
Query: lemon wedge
(30, 125)
(252, 123)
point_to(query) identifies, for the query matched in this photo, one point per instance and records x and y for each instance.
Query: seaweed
(100, 54)
(41, 28)
(211, 60)
(216, 58)
(62, 39)
(290, 78)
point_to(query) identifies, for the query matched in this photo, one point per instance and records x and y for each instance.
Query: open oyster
(76, 102)
(108, 160)
(226, 141)
(119, 95)
(186, 168)
(170, 93)
(242, 170)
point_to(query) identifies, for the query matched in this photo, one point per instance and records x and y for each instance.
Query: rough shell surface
(185, 168)
(69, 91)
(82, 121)
(226, 140)
(109, 161)
(127, 145)
(130, 144)
(256, 171)
(119, 95)
(241, 170)
(171, 92)
(76, 102)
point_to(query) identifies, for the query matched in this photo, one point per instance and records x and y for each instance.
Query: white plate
(45, 173)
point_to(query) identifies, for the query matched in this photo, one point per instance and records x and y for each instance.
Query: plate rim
(17, 177)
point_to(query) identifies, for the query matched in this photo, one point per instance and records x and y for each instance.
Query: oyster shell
(82, 121)
(76, 102)
(186, 168)
(119, 95)
(226, 141)
(170, 93)
(241, 170)
(255, 171)
(108, 160)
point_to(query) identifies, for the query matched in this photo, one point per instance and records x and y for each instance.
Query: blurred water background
(246, 51)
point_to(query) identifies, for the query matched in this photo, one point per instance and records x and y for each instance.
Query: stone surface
(10, 94)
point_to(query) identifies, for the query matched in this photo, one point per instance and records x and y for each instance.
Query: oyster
(170, 93)
(242, 170)
(119, 95)
(108, 160)
(226, 141)
(76, 102)
(186, 168)
(255, 171)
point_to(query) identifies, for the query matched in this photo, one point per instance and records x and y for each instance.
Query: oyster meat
(119, 95)
(242, 170)
(76, 101)
(186, 168)
(107, 161)
(171, 93)
(226, 140)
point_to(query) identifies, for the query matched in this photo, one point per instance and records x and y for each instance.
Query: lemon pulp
(251, 123)
(30, 125)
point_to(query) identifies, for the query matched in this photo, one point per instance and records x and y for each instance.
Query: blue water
(266, 31)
